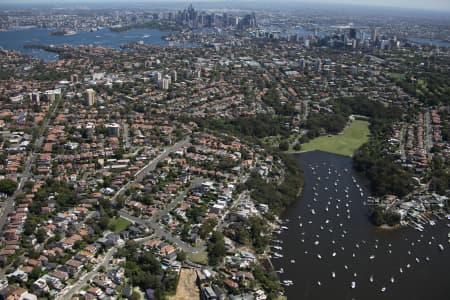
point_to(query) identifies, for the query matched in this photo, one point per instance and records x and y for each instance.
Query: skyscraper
(89, 97)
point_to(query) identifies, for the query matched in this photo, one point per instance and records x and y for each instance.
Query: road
(149, 167)
(9, 203)
(244, 195)
(195, 183)
(84, 279)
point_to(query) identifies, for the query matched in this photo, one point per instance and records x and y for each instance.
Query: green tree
(284, 146)
(7, 186)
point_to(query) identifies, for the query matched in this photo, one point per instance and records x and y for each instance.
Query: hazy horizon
(430, 5)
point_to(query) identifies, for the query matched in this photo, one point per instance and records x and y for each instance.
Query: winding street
(71, 290)
(149, 167)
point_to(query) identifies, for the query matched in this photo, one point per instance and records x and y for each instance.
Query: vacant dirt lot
(187, 288)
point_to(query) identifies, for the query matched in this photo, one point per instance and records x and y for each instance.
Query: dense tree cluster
(7, 186)
(144, 270)
(258, 126)
(280, 196)
(216, 248)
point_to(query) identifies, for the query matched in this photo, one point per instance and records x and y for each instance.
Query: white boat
(313, 212)
(319, 283)
(371, 278)
(401, 271)
(281, 271)
(353, 284)
(316, 243)
(372, 256)
(383, 289)
(355, 275)
(333, 275)
(292, 261)
(392, 280)
(441, 247)
(334, 254)
(408, 266)
(318, 256)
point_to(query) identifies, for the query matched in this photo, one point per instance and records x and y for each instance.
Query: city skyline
(432, 5)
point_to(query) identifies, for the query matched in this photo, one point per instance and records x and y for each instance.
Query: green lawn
(346, 143)
(118, 224)
(199, 258)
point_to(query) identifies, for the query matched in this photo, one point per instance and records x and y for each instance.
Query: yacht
(353, 284)
(287, 282)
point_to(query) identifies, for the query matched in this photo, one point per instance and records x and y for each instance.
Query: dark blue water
(426, 279)
(430, 42)
(15, 39)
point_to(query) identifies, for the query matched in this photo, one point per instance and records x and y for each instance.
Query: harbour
(338, 253)
(16, 39)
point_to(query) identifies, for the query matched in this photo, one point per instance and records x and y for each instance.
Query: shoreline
(386, 227)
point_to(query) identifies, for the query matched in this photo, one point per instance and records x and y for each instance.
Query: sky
(442, 5)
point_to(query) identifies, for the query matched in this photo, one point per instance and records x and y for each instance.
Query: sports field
(353, 136)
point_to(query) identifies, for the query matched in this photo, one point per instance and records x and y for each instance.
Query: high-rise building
(164, 83)
(174, 76)
(113, 129)
(374, 35)
(352, 33)
(36, 97)
(318, 65)
(89, 97)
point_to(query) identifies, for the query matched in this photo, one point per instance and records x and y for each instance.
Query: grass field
(353, 136)
(199, 258)
(118, 224)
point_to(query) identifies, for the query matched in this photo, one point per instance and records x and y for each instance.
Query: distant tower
(174, 76)
(89, 97)
(352, 33)
(318, 65)
(374, 35)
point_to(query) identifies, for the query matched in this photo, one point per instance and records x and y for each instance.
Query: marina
(338, 239)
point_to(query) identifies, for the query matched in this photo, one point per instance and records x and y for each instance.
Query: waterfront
(16, 39)
(329, 232)
(433, 42)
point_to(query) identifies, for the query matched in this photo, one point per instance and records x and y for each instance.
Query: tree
(7, 186)
(297, 147)
(284, 146)
(377, 216)
(41, 234)
(135, 296)
(216, 248)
